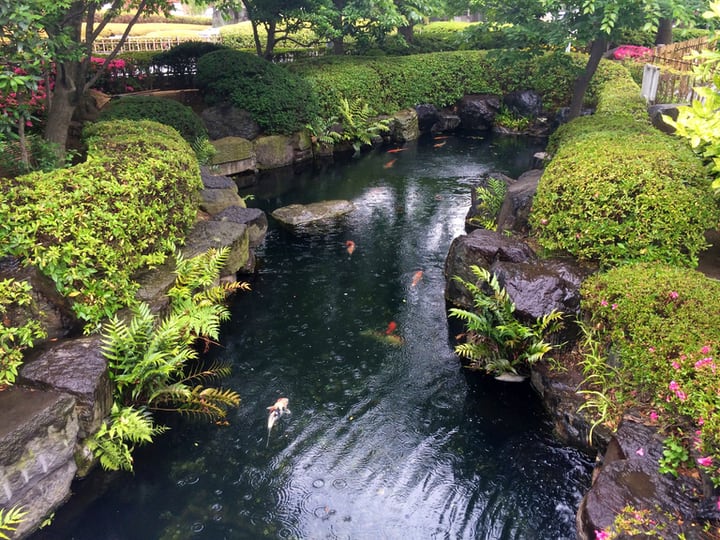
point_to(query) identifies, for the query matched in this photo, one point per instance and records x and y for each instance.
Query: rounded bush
(279, 101)
(165, 111)
(598, 201)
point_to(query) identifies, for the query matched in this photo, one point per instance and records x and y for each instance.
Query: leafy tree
(72, 26)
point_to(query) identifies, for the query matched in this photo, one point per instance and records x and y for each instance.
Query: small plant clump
(490, 199)
(496, 341)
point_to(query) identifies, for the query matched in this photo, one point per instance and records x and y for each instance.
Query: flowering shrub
(632, 52)
(662, 326)
(33, 102)
(119, 76)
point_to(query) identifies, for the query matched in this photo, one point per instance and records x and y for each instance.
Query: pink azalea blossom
(705, 461)
(640, 452)
(653, 416)
(705, 350)
(604, 535)
(673, 295)
(674, 386)
(651, 349)
(603, 303)
(682, 396)
(614, 306)
(675, 365)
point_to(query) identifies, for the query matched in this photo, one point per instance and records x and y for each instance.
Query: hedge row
(93, 226)
(617, 189)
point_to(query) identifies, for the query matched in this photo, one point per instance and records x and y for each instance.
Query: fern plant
(359, 125)
(490, 200)
(9, 520)
(496, 341)
(154, 364)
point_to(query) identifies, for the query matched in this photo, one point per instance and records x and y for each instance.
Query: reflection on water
(383, 441)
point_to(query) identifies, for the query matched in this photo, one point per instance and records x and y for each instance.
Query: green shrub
(180, 62)
(91, 227)
(165, 111)
(660, 327)
(596, 200)
(280, 101)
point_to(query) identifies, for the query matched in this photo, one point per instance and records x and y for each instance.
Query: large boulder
(312, 215)
(629, 477)
(536, 286)
(446, 121)
(38, 431)
(477, 111)
(404, 126)
(515, 210)
(526, 103)
(217, 234)
(224, 120)
(253, 218)
(76, 367)
(219, 192)
(427, 116)
(234, 155)
(273, 151)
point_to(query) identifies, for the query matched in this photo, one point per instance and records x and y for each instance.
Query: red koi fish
(391, 327)
(396, 150)
(416, 278)
(389, 164)
(350, 246)
(440, 144)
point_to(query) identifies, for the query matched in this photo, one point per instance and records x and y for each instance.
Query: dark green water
(383, 442)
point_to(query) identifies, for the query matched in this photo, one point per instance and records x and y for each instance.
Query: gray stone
(214, 201)
(38, 430)
(234, 155)
(404, 126)
(304, 215)
(656, 113)
(227, 121)
(273, 151)
(477, 111)
(216, 234)
(76, 367)
(446, 121)
(427, 115)
(514, 213)
(253, 218)
(526, 103)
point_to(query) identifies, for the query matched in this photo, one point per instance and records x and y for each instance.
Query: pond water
(386, 440)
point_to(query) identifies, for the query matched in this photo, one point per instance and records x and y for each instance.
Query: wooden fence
(107, 45)
(676, 77)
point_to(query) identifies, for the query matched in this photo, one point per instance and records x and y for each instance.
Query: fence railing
(670, 77)
(132, 43)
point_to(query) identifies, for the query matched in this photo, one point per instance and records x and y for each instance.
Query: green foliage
(42, 156)
(598, 200)
(91, 227)
(658, 328)
(154, 365)
(115, 441)
(165, 111)
(180, 61)
(359, 126)
(14, 339)
(279, 101)
(490, 200)
(675, 455)
(9, 520)
(497, 342)
(507, 119)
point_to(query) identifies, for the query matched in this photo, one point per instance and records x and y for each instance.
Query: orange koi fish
(440, 144)
(396, 150)
(389, 164)
(416, 278)
(279, 408)
(350, 246)
(391, 327)
(440, 137)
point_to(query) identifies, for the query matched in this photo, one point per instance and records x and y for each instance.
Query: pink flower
(705, 461)
(640, 452)
(604, 535)
(651, 349)
(718, 503)
(603, 303)
(682, 396)
(653, 416)
(614, 306)
(674, 386)
(673, 295)
(705, 350)
(675, 365)
(707, 361)
(701, 421)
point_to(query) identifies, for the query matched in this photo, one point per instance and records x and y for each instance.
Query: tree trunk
(338, 46)
(66, 96)
(597, 49)
(270, 30)
(664, 34)
(407, 32)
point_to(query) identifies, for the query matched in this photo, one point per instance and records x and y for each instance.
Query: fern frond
(10, 519)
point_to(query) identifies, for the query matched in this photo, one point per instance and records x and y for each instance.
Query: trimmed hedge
(617, 189)
(389, 84)
(279, 101)
(166, 111)
(91, 227)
